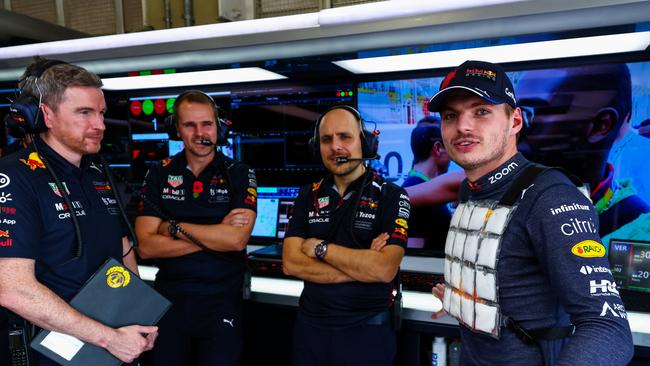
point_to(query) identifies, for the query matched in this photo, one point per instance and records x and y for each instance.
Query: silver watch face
(320, 250)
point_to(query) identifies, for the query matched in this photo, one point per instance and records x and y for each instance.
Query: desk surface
(416, 305)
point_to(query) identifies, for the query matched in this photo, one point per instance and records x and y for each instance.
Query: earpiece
(25, 112)
(369, 139)
(223, 125)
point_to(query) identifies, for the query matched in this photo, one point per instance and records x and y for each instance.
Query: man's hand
(127, 343)
(379, 242)
(308, 246)
(438, 291)
(236, 217)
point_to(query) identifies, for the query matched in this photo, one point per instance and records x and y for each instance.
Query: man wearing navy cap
(514, 253)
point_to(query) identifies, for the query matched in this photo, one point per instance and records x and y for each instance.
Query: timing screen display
(630, 264)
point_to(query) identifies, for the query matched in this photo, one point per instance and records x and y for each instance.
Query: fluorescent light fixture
(276, 286)
(163, 36)
(639, 322)
(211, 77)
(422, 301)
(544, 50)
(385, 10)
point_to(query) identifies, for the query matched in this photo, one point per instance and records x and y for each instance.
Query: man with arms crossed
(346, 239)
(213, 199)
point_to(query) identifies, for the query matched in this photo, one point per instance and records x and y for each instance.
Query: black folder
(113, 296)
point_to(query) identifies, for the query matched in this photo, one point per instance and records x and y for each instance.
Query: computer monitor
(630, 265)
(273, 206)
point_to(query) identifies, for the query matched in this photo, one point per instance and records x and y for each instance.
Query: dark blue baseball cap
(487, 80)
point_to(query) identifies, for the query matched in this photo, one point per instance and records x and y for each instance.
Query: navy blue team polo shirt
(542, 278)
(222, 186)
(321, 212)
(35, 224)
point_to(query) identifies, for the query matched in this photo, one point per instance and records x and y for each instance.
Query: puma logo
(229, 322)
(524, 191)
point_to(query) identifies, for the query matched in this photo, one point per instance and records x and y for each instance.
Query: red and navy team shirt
(35, 222)
(171, 188)
(321, 212)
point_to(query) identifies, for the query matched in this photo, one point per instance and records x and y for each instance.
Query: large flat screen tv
(592, 119)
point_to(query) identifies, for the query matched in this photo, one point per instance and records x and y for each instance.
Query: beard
(352, 166)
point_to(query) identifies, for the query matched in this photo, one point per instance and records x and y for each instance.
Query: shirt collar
(59, 162)
(328, 182)
(179, 161)
(498, 177)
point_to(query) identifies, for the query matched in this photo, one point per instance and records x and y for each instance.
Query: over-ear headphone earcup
(170, 128)
(24, 111)
(369, 144)
(223, 130)
(24, 114)
(314, 148)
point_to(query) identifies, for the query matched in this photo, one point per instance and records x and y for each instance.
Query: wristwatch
(173, 229)
(320, 250)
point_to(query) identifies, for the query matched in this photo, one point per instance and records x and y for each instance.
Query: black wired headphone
(25, 111)
(223, 125)
(369, 139)
(25, 114)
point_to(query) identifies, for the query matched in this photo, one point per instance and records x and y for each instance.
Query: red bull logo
(6, 243)
(33, 161)
(4, 233)
(481, 73)
(368, 203)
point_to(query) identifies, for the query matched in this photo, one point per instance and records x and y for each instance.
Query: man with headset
(346, 239)
(197, 217)
(42, 261)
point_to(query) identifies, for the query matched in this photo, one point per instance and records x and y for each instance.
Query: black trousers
(199, 330)
(363, 345)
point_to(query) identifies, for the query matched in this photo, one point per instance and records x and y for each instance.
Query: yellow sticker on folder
(117, 276)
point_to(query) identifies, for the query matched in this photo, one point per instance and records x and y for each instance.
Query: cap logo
(511, 95)
(479, 72)
(445, 82)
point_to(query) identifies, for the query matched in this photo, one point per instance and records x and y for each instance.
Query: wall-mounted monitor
(592, 119)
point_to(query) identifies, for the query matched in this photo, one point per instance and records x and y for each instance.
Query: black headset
(25, 115)
(25, 111)
(223, 125)
(369, 139)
